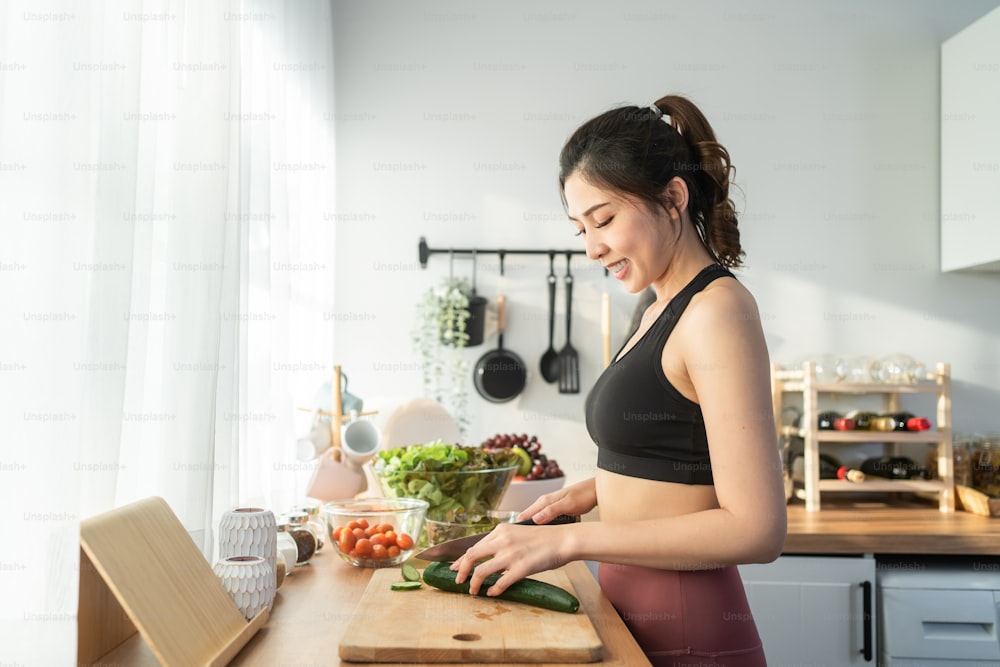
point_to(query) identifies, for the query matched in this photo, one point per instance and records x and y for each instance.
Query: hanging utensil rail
(425, 252)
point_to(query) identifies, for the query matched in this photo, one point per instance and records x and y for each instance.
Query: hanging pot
(500, 374)
(475, 326)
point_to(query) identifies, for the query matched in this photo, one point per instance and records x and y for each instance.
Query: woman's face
(632, 242)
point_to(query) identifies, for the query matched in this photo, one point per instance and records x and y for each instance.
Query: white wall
(450, 117)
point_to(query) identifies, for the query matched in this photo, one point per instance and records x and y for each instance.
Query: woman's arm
(725, 358)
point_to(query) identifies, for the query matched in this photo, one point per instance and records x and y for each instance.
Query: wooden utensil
(569, 360)
(429, 625)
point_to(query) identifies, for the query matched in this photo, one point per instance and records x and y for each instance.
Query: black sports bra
(642, 425)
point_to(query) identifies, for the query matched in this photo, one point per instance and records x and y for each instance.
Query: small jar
(962, 451)
(305, 538)
(985, 464)
(287, 546)
(314, 521)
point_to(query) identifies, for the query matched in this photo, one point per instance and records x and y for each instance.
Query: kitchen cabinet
(804, 382)
(814, 610)
(970, 147)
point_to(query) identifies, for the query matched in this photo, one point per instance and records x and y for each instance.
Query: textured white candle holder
(249, 531)
(249, 580)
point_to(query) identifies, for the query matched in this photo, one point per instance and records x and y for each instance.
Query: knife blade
(452, 549)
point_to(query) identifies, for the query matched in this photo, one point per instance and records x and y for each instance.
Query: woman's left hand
(517, 551)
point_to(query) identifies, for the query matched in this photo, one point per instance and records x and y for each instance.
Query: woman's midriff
(679, 618)
(621, 498)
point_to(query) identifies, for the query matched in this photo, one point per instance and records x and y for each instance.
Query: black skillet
(500, 374)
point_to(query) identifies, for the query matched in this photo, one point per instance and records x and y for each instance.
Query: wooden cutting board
(430, 625)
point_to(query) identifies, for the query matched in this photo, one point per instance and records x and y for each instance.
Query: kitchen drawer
(940, 624)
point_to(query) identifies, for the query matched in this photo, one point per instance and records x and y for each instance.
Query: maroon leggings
(698, 617)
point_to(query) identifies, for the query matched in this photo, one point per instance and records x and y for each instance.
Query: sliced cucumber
(410, 573)
(406, 585)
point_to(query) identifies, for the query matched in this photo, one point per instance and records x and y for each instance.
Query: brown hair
(635, 151)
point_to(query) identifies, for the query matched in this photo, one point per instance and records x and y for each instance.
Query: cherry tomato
(390, 538)
(404, 541)
(393, 551)
(379, 552)
(363, 547)
(347, 541)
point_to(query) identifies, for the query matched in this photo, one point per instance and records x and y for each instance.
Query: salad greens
(452, 479)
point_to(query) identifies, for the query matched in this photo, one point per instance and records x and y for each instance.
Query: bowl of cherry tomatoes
(375, 532)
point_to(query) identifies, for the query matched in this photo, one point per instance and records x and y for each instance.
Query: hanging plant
(439, 339)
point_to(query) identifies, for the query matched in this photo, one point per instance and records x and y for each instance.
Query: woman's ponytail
(710, 169)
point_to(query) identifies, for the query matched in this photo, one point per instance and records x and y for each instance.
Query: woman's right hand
(575, 500)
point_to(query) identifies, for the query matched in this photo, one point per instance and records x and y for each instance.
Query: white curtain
(166, 178)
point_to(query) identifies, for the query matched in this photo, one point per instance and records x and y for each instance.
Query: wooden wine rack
(803, 381)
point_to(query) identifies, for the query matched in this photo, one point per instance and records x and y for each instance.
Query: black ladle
(550, 359)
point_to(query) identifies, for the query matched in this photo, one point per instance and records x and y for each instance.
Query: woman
(689, 480)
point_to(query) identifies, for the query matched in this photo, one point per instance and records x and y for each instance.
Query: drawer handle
(866, 616)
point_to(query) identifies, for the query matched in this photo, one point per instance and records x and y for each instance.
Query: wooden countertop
(315, 604)
(878, 527)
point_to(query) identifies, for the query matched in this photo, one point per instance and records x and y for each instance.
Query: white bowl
(522, 492)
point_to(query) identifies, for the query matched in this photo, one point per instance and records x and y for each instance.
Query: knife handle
(558, 521)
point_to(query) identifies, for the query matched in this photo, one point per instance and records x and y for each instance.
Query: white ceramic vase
(249, 531)
(249, 580)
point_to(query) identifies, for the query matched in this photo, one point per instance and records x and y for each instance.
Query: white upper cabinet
(970, 147)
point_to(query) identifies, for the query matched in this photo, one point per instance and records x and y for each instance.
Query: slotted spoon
(569, 361)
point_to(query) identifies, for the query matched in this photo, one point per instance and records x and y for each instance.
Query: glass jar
(985, 464)
(302, 533)
(962, 451)
(314, 521)
(287, 546)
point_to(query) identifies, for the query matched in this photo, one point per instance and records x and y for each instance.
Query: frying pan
(500, 374)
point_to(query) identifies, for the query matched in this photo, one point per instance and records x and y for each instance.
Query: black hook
(502, 254)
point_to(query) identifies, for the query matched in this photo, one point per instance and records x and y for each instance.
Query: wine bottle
(826, 420)
(830, 421)
(862, 419)
(884, 423)
(906, 421)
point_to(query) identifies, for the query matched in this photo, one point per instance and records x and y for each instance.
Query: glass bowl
(375, 532)
(448, 493)
(464, 525)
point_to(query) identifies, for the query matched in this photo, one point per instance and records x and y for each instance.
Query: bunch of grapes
(542, 467)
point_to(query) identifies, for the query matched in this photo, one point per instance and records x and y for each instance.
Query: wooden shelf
(803, 381)
(856, 437)
(871, 485)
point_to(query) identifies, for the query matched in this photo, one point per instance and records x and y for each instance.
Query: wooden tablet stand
(141, 572)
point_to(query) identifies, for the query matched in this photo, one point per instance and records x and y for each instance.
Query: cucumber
(405, 585)
(410, 573)
(528, 591)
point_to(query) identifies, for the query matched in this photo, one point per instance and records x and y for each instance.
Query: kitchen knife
(452, 549)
